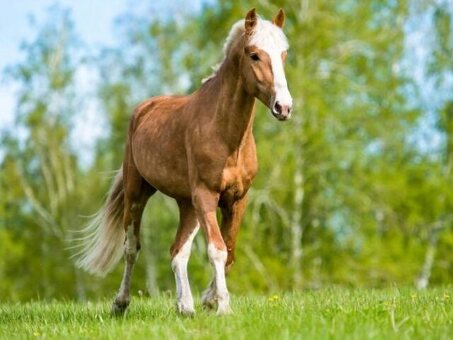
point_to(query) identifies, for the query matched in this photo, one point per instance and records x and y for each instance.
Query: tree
(40, 170)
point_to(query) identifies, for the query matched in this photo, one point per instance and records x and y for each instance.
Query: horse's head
(265, 51)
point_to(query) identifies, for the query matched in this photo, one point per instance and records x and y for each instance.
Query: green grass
(332, 313)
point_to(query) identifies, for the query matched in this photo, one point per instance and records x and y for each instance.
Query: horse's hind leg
(180, 253)
(136, 194)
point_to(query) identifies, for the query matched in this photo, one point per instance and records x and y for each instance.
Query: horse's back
(157, 109)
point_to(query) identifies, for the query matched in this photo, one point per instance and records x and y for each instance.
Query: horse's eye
(254, 57)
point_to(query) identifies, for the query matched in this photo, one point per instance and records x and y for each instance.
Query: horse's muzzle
(281, 111)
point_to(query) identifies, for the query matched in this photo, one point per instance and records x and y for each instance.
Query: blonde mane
(236, 32)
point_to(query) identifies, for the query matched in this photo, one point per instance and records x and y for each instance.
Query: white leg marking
(179, 266)
(218, 259)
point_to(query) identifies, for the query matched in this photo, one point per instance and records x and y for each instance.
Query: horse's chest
(236, 180)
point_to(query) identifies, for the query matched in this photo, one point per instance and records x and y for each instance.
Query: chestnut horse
(198, 149)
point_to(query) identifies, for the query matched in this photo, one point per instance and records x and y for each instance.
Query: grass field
(332, 313)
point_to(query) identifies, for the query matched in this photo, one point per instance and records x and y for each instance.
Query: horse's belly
(168, 181)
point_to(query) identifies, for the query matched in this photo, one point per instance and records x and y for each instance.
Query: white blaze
(271, 39)
(282, 94)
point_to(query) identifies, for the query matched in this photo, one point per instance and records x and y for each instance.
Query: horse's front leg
(231, 221)
(206, 202)
(180, 253)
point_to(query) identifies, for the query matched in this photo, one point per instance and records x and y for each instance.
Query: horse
(198, 149)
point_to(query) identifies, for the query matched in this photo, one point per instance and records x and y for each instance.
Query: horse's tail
(102, 245)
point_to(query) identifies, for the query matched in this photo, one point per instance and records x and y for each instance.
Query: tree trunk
(422, 281)
(296, 225)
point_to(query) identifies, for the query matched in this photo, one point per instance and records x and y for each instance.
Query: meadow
(324, 314)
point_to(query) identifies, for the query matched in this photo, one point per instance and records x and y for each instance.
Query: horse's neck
(234, 112)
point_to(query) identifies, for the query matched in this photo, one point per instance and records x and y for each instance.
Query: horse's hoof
(223, 305)
(209, 304)
(188, 313)
(208, 301)
(119, 308)
(185, 309)
(224, 310)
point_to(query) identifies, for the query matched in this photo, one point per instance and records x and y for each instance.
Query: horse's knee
(217, 255)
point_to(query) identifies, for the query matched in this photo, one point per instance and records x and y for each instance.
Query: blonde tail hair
(102, 245)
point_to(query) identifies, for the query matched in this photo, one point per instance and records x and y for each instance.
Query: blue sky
(94, 21)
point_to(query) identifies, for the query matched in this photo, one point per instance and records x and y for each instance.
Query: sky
(94, 21)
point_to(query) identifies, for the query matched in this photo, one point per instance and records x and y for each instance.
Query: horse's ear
(279, 19)
(250, 21)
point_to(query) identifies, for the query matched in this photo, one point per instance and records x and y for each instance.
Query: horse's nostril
(278, 108)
